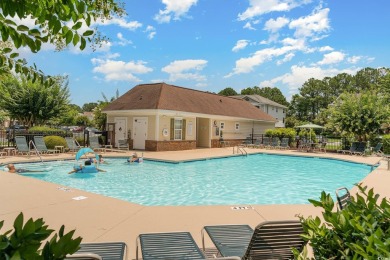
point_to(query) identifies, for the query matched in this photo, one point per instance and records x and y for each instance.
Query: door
(120, 129)
(140, 130)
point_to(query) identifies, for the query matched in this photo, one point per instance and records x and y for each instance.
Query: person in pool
(86, 163)
(12, 169)
(133, 158)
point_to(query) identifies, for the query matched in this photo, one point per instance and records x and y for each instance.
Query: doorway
(203, 133)
(140, 132)
(120, 129)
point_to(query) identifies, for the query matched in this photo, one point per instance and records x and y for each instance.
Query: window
(237, 126)
(178, 129)
(222, 126)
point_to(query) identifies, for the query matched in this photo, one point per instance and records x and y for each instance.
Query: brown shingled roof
(169, 97)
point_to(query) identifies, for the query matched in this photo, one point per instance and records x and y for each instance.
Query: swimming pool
(255, 179)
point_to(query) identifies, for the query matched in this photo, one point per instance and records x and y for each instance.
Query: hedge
(52, 140)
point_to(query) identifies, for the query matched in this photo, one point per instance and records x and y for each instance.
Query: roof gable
(260, 99)
(169, 97)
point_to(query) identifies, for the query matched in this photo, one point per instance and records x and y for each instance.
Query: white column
(157, 130)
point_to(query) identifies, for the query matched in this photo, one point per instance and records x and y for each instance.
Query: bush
(26, 240)
(52, 140)
(80, 140)
(360, 231)
(386, 144)
(282, 133)
(44, 129)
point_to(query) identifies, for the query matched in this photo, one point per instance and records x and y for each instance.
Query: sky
(210, 45)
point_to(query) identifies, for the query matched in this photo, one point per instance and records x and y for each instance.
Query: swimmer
(86, 163)
(12, 169)
(133, 158)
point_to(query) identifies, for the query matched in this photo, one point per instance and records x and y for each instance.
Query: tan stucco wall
(245, 129)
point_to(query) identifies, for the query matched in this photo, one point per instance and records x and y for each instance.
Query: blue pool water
(255, 179)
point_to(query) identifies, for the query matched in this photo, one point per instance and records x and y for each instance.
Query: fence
(332, 143)
(7, 139)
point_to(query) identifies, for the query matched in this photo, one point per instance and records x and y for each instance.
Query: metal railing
(32, 144)
(239, 149)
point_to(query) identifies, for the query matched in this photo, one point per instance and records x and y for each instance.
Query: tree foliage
(273, 94)
(56, 22)
(359, 114)
(34, 103)
(88, 107)
(227, 92)
(360, 231)
(316, 95)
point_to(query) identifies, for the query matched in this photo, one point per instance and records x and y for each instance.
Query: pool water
(255, 179)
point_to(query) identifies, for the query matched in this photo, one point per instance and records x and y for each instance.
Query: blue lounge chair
(351, 150)
(284, 143)
(269, 240)
(377, 149)
(343, 197)
(103, 251)
(94, 143)
(172, 245)
(266, 142)
(360, 149)
(275, 143)
(72, 144)
(22, 146)
(41, 146)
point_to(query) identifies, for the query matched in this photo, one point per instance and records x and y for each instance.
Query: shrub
(44, 129)
(52, 140)
(386, 144)
(281, 133)
(360, 231)
(80, 140)
(26, 239)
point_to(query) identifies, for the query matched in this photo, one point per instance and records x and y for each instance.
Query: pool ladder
(31, 143)
(239, 149)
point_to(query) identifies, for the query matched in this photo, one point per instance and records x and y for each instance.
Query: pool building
(163, 117)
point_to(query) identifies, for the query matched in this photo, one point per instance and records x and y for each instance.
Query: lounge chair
(284, 143)
(94, 143)
(321, 147)
(72, 144)
(269, 240)
(360, 149)
(22, 146)
(377, 149)
(41, 146)
(275, 143)
(258, 144)
(351, 150)
(303, 145)
(343, 197)
(266, 142)
(123, 144)
(173, 245)
(104, 251)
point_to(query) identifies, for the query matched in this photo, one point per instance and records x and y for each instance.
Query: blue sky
(213, 44)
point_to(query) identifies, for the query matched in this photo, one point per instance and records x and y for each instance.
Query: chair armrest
(84, 256)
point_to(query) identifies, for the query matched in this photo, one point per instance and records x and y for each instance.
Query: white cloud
(248, 26)
(300, 74)
(312, 25)
(260, 7)
(246, 65)
(274, 25)
(119, 70)
(121, 22)
(326, 48)
(286, 58)
(241, 44)
(185, 70)
(122, 40)
(354, 59)
(151, 31)
(332, 57)
(174, 9)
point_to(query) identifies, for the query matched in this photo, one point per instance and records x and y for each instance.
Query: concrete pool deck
(97, 218)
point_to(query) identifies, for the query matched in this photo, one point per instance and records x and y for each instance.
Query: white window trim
(181, 129)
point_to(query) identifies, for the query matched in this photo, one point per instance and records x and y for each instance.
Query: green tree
(34, 103)
(100, 118)
(57, 22)
(70, 115)
(88, 107)
(227, 92)
(360, 114)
